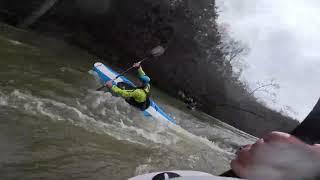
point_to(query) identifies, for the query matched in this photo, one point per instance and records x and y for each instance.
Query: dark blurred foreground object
(308, 131)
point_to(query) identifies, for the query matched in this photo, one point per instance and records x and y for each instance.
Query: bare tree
(232, 48)
(266, 87)
(288, 111)
(233, 51)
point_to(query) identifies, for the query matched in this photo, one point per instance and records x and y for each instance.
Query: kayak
(186, 175)
(105, 73)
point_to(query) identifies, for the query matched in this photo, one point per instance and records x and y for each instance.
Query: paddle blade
(158, 51)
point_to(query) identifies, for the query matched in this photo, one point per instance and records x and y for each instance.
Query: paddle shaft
(132, 67)
(308, 131)
(126, 71)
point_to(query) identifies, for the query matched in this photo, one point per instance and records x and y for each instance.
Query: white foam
(121, 121)
(58, 111)
(18, 94)
(3, 101)
(143, 169)
(155, 137)
(162, 133)
(207, 142)
(95, 75)
(45, 112)
(14, 42)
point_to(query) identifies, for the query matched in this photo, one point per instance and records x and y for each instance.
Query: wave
(97, 112)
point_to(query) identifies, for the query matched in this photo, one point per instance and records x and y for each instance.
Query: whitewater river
(54, 125)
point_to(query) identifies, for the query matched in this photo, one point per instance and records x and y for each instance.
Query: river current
(54, 125)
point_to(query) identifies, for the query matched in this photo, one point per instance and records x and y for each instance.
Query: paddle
(308, 131)
(155, 52)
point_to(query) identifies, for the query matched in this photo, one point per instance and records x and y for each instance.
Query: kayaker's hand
(137, 65)
(261, 159)
(109, 84)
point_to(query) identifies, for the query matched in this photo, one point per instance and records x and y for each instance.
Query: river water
(54, 125)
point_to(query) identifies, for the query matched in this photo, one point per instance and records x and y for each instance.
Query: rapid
(54, 125)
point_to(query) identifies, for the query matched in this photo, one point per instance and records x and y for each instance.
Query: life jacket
(141, 105)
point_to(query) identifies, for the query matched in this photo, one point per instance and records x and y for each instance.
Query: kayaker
(139, 96)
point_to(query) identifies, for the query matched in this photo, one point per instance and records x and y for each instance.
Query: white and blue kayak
(106, 74)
